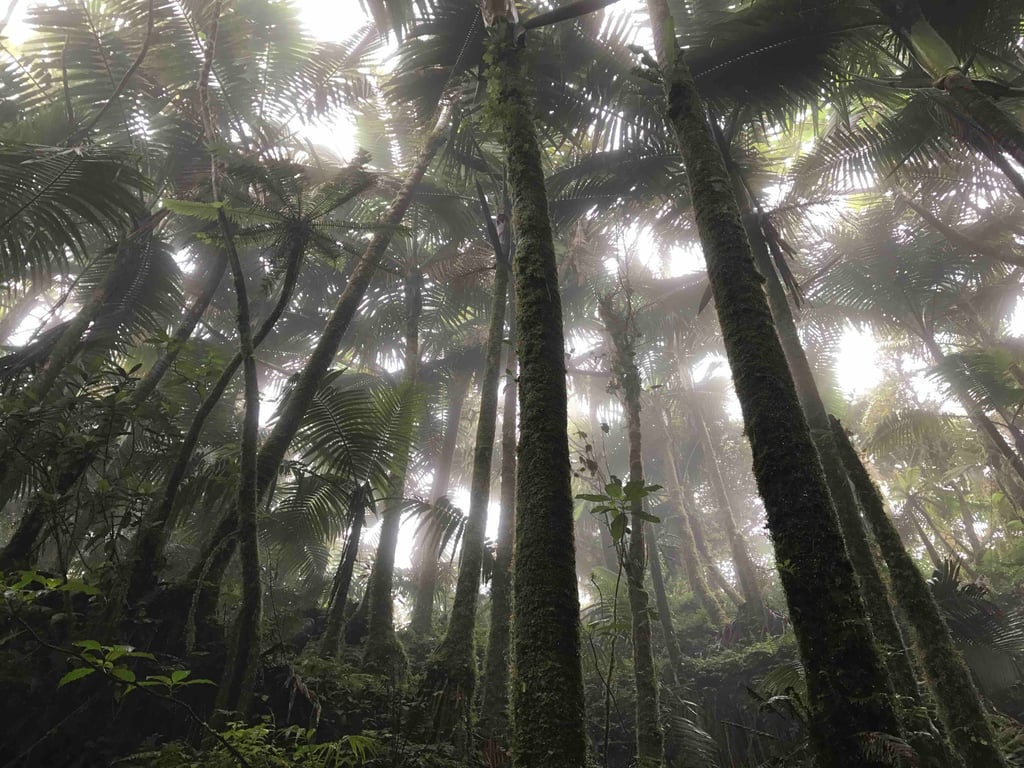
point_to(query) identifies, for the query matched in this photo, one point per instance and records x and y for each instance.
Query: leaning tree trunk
(331, 639)
(675, 656)
(143, 564)
(450, 677)
(428, 549)
(293, 410)
(849, 692)
(548, 728)
(19, 550)
(959, 704)
(746, 574)
(383, 652)
(493, 723)
(650, 741)
(877, 601)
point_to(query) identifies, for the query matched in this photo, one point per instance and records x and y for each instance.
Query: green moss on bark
(450, 679)
(650, 742)
(547, 681)
(959, 704)
(848, 687)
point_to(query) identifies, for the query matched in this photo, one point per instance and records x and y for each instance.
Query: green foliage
(263, 746)
(615, 504)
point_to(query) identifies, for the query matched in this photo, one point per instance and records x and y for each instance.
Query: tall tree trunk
(548, 728)
(873, 589)
(428, 549)
(691, 558)
(746, 574)
(849, 691)
(450, 678)
(331, 639)
(237, 683)
(493, 723)
(675, 656)
(383, 653)
(650, 741)
(933, 555)
(959, 704)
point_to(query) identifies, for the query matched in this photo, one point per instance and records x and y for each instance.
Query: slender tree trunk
(691, 558)
(383, 653)
(493, 724)
(675, 656)
(294, 409)
(933, 555)
(237, 682)
(548, 728)
(849, 690)
(428, 549)
(143, 563)
(745, 572)
(700, 540)
(649, 737)
(959, 704)
(331, 639)
(450, 678)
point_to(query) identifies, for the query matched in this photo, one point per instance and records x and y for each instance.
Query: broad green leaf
(75, 674)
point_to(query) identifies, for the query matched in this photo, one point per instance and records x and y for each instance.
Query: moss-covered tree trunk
(493, 724)
(873, 587)
(427, 551)
(849, 691)
(618, 324)
(547, 680)
(331, 638)
(687, 544)
(450, 679)
(383, 653)
(959, 704)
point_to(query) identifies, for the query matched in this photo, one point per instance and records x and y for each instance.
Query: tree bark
(383, 653)
(675, 656)
(745, 572)
(548, 728)
(493, 722)
(959, 704)
(237, 683)
(650, 741)
(848, 688)
(331, 639)
(450, 678)
(428, 549)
